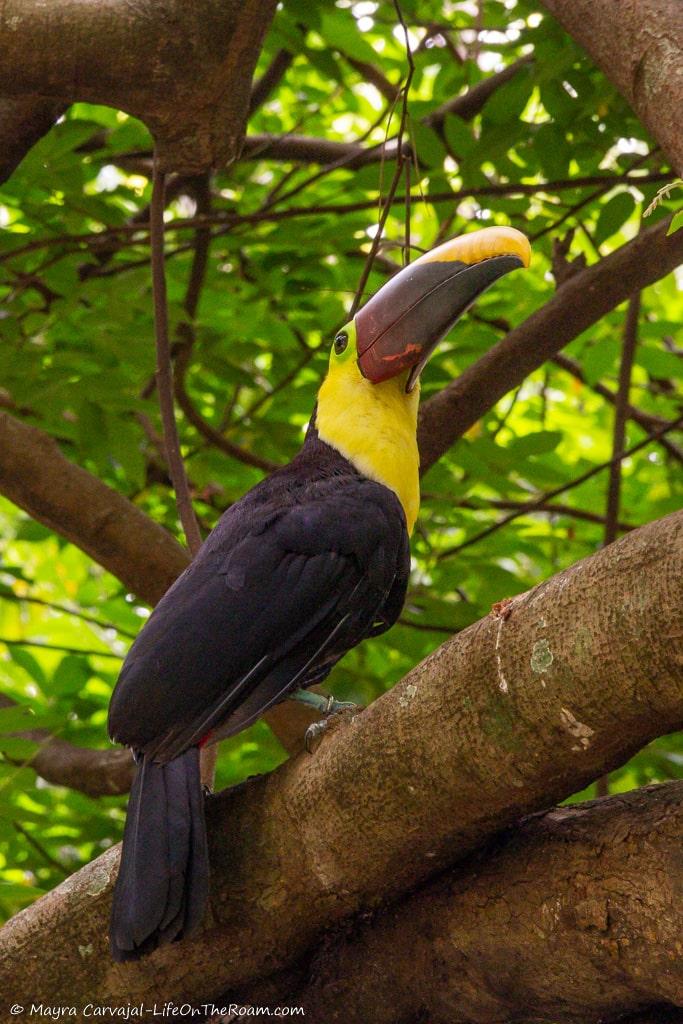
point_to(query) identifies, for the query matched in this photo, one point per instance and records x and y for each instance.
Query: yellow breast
(374, 426)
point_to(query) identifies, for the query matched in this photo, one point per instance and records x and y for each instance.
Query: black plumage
(306, 565)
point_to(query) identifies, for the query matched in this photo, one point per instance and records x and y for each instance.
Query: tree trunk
(639, 46)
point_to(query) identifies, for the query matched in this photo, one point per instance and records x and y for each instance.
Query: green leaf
(458, 135)
(71, 674)
(538, 443)
(341, 32)
(614, 215)
(506, 104)
(658, 363)
(22, 657)
(676, 222)
(430, 149)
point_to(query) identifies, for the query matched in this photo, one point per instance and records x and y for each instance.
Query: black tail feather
(162, 886)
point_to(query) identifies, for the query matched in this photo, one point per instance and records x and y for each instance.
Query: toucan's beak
(403, 322)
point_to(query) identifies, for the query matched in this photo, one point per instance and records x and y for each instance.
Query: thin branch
(228, 221)
(64, 610)
(269, 80)
(532, 506)
(620, 417)
(648, 421)
(40, 849)
(386, 206)
(164, 371)
(12, 642)
(207, 431)
(550, 508)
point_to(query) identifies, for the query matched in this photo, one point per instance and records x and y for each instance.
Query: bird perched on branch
(310, 562)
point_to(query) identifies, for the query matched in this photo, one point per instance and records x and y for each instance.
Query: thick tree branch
(580, 302)
(36, 476)
(184, 69)
(574, 917)
(639, 46)
(23, 121)
(89, 771)
(509, 717)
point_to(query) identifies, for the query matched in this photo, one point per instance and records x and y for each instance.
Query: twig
(230, 220)
(620, 417)
(646, 420)
(207, 431)
(39, 848)
(59, 647)
(164, 372)
(386, 207)
(533, 506)
(65, 610)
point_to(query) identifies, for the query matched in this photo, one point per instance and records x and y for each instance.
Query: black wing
(275, 597)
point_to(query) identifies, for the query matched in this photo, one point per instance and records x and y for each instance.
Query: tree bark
(639, 46)
(36, 476)
(184, 69)
(509, 717)
(22, 122)
(575, 916)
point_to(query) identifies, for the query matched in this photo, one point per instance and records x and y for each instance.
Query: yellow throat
(374, 426)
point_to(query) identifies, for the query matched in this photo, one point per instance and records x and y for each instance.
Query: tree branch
(620, 417)
(583, 892)
(36, 476)
(639, 46)
(89, 771)
(184, 69)
(580, 302)
(471, 102)
(23, 121)
(510, 716)
(269, 80)
(164, 374)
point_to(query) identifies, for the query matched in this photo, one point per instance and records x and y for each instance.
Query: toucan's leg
(319, 702)
(325, 705)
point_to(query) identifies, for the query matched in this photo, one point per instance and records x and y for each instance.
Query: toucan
(312, 560)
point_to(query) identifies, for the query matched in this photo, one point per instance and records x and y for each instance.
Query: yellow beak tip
(482, 245)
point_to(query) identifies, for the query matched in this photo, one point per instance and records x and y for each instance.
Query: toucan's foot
(314, 733)
(206, 790)
(328, 706)
(317, 701)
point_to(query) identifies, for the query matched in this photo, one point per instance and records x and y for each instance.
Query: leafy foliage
(288, 245)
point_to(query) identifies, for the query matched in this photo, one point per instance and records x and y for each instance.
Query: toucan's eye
(340, 342)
